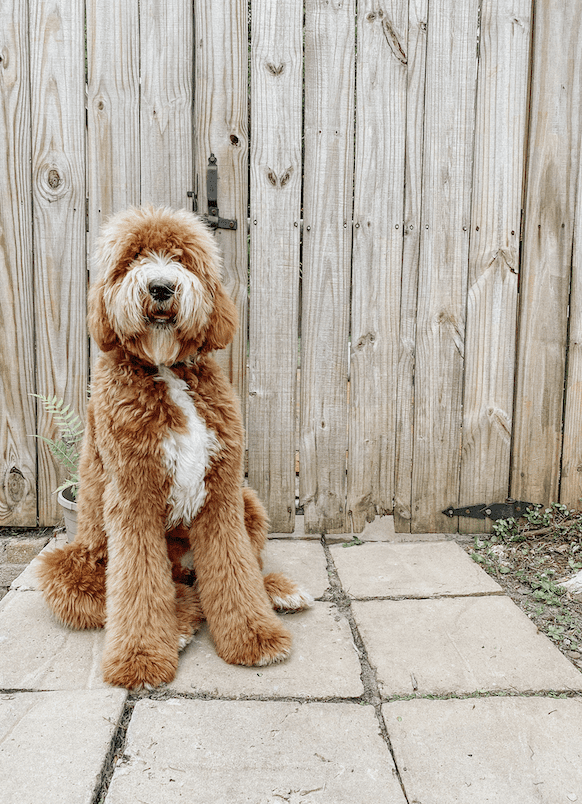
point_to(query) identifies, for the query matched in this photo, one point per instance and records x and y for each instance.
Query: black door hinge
(510, 508)
(212, 218)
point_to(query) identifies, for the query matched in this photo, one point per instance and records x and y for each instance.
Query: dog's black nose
(161, 290)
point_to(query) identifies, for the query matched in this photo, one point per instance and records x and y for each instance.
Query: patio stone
(459, 645)
(429, 569)
(323, 663)
(39, 653)
(495, 750)
(211, 752)
(53, 744)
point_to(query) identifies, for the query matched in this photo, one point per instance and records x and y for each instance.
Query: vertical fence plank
(221, 128)
(327, 212)
(276, 82)
(416, 58)
(494, 252)
(17, 375)
(552, 171)
(448, 144)
(571, 476)
(382, 73)
(113, 140)
(166, 47)
(58, 180)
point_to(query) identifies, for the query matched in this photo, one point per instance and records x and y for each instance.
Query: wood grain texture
(17, 370)
(113, 135)
(275, 164)
(221, 128)
(416, 78)
(500, 131)
(552, 172)
(57, 78)
(382, 79)
(327, 236)
(166, 59)
(444, 246)
(571, 474)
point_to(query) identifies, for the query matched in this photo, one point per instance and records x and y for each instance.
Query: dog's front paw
(267, 646)
(139, 669)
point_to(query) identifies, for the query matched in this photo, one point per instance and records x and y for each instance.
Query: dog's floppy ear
(99, 327)
(222, 324)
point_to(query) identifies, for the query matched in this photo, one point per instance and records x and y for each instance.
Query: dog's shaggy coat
(167, 534)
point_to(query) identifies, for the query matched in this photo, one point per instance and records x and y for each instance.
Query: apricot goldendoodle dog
(161, 467)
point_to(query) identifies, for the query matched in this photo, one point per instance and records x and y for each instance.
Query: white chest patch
(187, 455)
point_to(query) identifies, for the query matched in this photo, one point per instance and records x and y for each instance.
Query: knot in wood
(275, 69)
(15, 485)
(54, 178)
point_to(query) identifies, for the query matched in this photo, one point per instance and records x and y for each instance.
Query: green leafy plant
(66, 447)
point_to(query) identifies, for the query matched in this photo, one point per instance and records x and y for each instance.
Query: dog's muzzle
(162, 293)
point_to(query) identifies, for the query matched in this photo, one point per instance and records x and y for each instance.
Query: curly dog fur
(167, 534)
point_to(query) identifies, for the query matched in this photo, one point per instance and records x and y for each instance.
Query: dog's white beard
(161, 346)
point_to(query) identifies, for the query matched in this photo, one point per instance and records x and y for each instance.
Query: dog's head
(158, 294)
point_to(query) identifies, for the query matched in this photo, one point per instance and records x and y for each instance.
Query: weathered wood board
(17, 362)
(552, 173)
(498, 172)
(275, 214)
(221, 128)
(327, 236)
(382, 78)
(57, 79)
(444, 247)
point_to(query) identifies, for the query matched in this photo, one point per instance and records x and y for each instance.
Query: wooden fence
(409, 213)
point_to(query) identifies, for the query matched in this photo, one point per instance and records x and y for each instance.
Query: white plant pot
(69, 507)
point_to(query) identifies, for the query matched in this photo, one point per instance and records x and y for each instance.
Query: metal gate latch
(510, 508)
(213, 218)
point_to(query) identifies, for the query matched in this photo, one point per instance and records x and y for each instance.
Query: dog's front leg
(141, 641)
(243, 625)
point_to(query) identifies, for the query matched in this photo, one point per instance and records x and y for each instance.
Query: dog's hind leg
(73, 577)
(256, 522)
(283, 593)
(189, 612)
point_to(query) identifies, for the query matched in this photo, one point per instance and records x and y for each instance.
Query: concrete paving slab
(496, 750)
(323, 664)
(53, 744)
(230, 752)
(304, 562)
(36, 652)
(459, 645)
(411, 570)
